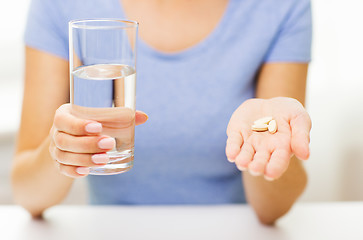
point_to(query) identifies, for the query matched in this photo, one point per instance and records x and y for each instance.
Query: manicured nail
(253, 173)
(94, 127)
(100, 158)
(269, 178)
(241, 168)
(82, 170)
(106, 143)
(145, 115)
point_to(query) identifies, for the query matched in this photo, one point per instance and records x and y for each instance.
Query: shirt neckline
(213, 36)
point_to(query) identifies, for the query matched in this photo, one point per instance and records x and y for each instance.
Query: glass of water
(102, 61)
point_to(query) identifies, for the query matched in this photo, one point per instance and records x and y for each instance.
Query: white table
(312, 221)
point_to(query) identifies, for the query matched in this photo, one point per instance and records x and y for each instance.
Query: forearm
(37, 184)
(272, 200)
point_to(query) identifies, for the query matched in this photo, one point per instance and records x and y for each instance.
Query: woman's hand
(263, 153)
(77, 144)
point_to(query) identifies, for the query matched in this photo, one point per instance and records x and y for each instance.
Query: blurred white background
(334, 99)
(11, 72)
(12, 23)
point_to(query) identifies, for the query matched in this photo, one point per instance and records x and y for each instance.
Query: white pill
(264, 120)
(259, 127)
(272, 126)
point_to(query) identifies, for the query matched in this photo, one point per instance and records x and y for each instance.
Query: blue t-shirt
(189, 96)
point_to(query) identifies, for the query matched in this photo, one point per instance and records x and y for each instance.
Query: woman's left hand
(263, 153)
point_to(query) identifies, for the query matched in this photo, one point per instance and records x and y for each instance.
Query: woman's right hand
(78, 144)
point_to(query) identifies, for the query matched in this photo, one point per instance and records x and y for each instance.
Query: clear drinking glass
(102, 60)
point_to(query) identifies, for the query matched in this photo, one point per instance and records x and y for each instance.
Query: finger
(64, 121)
(278, 164)
(258, 164)
(233, 145)
(140, 117)
(83, 144)
(300, 138)
(120, 116)
(245, 156)
(73, 172)
(80, 159)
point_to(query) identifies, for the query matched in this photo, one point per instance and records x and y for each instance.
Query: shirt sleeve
(293, 40)
(45, 30)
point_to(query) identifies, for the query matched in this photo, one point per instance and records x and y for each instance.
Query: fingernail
(100, 158)
(269, 178)
(253, 173)
(147, 116)
(82, 170)
(106, 143)
(241, 168)
(230, 160)
(94, 127)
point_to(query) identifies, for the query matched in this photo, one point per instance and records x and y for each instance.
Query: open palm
(263, 153)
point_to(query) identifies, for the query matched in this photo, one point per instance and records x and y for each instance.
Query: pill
(264, 120)
(259, 127)
(272, 126)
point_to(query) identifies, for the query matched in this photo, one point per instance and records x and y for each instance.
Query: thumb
(300, 138)
(140, 117)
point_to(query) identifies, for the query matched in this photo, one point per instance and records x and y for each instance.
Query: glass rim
(77, 23)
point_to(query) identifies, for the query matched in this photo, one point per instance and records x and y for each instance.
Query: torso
(197, 66)
(172, 26)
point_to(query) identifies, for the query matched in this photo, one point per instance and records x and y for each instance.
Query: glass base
(120, 162)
